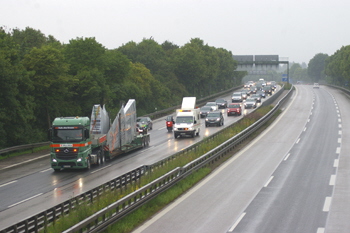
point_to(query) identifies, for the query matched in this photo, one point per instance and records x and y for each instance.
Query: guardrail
(154, 115)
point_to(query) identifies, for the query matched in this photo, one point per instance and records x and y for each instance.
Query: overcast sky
(293, 29)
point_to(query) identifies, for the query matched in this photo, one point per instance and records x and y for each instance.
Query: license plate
(66, 166)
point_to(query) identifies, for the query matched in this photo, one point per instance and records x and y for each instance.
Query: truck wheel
(88, 164)
(103, 158)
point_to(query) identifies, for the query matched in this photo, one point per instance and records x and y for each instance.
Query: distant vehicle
(221, 103)
(169, 122)
(144, 123)
(257, 97)
(234, 109)
(248, 84)
(237, 97)
(213, 105)
(268, 90)
(214, 118)
(205, 110)
(250, 103)
(274, 85)
(253, 89)
(316, 85)
(261, 93)
(244, 94)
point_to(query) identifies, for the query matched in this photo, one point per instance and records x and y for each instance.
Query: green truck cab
(71, 145)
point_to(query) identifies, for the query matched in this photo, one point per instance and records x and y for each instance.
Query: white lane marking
(339, 126)
(268, 182)
(339, 140)
(327, 204)
(101, 168)
(340, 132)
(287, 156)
(25, 200)
(237, 222)
(25, 161)
(308, 120)
(336, 163)
(162, 128)
(320, 230)
(338, 150)
(297, 141)
(332, 180)
(304, 129)
(339, 120)
(46, 170)
(11, 182)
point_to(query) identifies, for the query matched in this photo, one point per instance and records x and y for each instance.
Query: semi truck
(187, 121)
(79, 142)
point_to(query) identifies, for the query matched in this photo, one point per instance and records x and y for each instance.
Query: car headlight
(206, 119)
(217, 119)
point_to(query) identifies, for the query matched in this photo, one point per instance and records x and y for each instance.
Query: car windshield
(214, 114)
(141, 119)
(234, 106)
(206, 108)
(211, 104)
(250, 100)
(184, 119)
(220, 101)
(67, 135)
(236, 94)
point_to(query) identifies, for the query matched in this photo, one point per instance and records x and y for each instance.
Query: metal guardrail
(41, 220)
(23, 147)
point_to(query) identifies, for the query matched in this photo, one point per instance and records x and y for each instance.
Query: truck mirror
(86, 133)
(195, 121)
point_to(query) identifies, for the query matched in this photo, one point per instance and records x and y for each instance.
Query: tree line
(42, 78)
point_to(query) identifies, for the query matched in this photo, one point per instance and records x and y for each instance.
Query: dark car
(261, 93)
(221, 103)
(253, 89)
(268, 90)
(234, 109)
(257, 97)
(205, 110)
(144, 123)
(214, 118)
(244, 94)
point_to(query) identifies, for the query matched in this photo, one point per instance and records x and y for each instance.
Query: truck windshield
(184, 119)
(67, 135)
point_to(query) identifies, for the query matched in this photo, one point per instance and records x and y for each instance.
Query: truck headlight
(54, 160)
(79, 160)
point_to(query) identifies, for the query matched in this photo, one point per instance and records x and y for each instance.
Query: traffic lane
(297, 196)
(339, 215)
(214, 204)
(79, 181)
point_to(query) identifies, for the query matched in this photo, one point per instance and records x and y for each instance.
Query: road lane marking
(336, 163)
(304, 129)
(25, 161)
(25, 200)
(339, 120)
(320, 230)
(46, 170)
(162, 128)
(101, 168)
(287, 156)
(14, 181)
(237, 222)
(327, 204)
(340, 132)
(339, 140)
(338, 150)
(339, 126)
(268, 182)
(332, 180)
(297, 141)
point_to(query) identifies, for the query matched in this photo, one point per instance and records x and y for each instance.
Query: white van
(188, 120)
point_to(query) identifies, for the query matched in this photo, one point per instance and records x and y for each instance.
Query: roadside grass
(22, 152)
(85, 210)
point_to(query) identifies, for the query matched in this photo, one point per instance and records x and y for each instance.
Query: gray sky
(297, 29)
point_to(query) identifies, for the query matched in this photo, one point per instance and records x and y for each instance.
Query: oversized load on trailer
(187, 121)
(77, 142)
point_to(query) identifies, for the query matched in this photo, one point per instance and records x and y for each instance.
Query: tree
(316, 67)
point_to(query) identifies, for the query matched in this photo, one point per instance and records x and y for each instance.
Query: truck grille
(66, 154)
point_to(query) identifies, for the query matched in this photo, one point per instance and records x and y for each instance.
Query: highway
(30, 188)
(294, 177)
